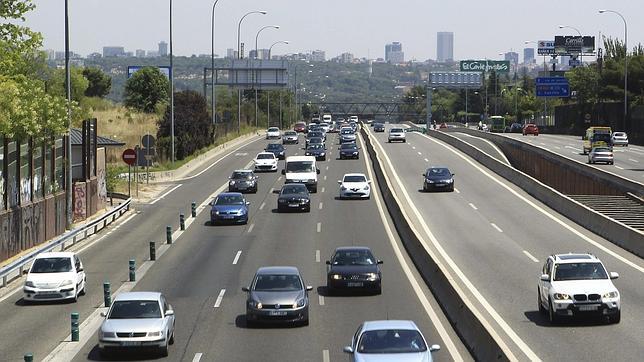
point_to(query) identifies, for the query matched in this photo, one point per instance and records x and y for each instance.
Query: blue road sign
(552, 87)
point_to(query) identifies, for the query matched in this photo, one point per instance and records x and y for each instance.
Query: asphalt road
(495, 239)
(207, 260)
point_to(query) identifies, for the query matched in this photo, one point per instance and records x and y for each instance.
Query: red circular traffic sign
(129, 156)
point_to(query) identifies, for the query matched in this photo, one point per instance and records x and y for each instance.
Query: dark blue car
(229, 207)
(277, 149)
(349, 150)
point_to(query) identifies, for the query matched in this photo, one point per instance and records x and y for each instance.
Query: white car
(390, 340)
(355, 185)
(396, 134)
(325, 127)
(55, 276)
(137, 320)
(619, 139)
(273, 132)
(265, 161)
(577, 285)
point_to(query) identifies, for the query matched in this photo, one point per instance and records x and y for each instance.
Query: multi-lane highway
(203, 272)
(495, 237)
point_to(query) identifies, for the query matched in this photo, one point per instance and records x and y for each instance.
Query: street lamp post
(68, 143)
(625, 61)
(581, 55)
(545, 70)
(212, 69)
(171, 89)
(239, 56)
(269, 57)
(256, 56)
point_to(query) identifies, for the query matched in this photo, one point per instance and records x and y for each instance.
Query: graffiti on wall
(80, 201)
(101, 176)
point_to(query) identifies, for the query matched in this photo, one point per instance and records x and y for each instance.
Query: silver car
(396, 134)
(137, 320)
(290, 137)
(277, 294)
(601, 154)
(619, 139)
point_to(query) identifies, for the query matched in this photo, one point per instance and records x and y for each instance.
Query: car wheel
(163, 351)
(404, 141)
(308, 209)
(615, 318)
(83, 291)
(388, 141)
(542, 310)
(255, 190)
(451, 189)
(612, 163)
(379, 290)
(172, 338)
(552, 316)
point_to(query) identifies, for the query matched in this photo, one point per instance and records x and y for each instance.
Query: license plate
(277, 313)
(355, 284)
(587, 308)
(229, 217)
(293, 205)
(130, 344)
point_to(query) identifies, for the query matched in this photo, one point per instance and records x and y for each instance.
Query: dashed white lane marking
(325, 355)
(473, 206)
(261, 207)
(419, 153)
(321, 204)
(619, 168)
(457, 191)
(279, 178)
(496, 227)
(323, 189)
(324, 177)
(543, 144)
(250, 228)
(197, 357)
(237, 257)
(530, 256)
(413, 147)
(220, 297)
(317, 256)
(321, 299)
(295, 154)
(426, 160)
(319, 227)
(633, 160)
(165, 194)
(557, 147)
(327, 168)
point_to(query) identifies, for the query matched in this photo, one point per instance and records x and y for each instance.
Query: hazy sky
(482, 28)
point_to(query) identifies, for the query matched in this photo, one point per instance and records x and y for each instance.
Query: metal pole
(239, 56)
(297, 111)
(212, 64)
(68, 148)
(268, 108)
(280, 109)
(496, 93)
(171, 88)
(428, 120)
(466, 105)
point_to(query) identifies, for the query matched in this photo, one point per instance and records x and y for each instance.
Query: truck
(302, 169)
(597, 137)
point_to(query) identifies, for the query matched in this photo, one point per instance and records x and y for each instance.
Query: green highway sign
(499, 66)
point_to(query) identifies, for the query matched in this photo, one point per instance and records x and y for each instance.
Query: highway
(494, 237)
(203, 272)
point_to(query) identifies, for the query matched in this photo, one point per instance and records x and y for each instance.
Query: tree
(100, 83)
(192, 124)
(146, 89)
(56, 83)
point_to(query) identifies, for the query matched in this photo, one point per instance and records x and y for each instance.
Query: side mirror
(380, 262)
(169, 312)
(339, 182)
(434, 348)
(614, 275)
(309, 288)
(81, 269)
(247, 203)
(368, 181)
(283, 172)
(245, 289)
(317, 170)
(103, 314)
(328, 262)
(423, 174)
(453, 174)
(347, 349)
(545, 278)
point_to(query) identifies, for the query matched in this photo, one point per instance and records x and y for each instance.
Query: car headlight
(561, 296)
(336, 276)
(430, 181)
(366, 187)
(614, 294)
(322, 153)
(449, 181)
(256, 304)
(372, 276)
(155, 334)
(307, 154)
(66, 282)
(215, 212)
(30, 284)
(232, 182)
(103, 334)
(306, 201)
(342, 188)
(299, 303)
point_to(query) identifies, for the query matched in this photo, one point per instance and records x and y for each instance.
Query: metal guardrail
(72, 236)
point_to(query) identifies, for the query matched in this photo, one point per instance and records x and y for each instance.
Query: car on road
(314, 134)
(290, 137)
(349, 150)
(273, 132)
(396, 134)
(277, 149)
(577, 285)
(353, 125)
(438, 178)
(315, 141)
(515, 128)
(317, 150)
(300, 127)
(354, 267)
(619, 139)
(265, 161)
(389, 340)
(326, 127)
(302, 169)
(355, 185)
(242, 181)
(55, 276)
(601, 154)
(277, 294)
(530, 128)
(229, 207)
(294, 197)
(378, 127)
(137, 320)
(347, 135)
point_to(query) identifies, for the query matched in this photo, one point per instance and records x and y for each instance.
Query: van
(302, 169)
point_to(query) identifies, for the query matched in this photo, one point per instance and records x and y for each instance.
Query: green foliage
(18, 44)
(99, 83)
(56, 84)
(585, 81)
(146, 89)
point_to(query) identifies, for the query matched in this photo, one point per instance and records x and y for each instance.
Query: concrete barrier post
(153, 251)
(29, 357)
(193, 209)
(132, 270)
(75, 327)
(168, 234)
(182, 221)
(107, 294)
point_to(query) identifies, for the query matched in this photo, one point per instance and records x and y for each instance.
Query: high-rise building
(112, 51)
(528, 56)
(163, 49)
(444, 46)
(231, 53)
(513, 57)
(140, 53)
(394, 53)
(346, 58)
(318, 56)
(261, 54)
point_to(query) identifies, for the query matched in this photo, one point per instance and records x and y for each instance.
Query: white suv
(577, 285)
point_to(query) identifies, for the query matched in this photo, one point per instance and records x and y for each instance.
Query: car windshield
(274, 146)
(273, 129)
(438, 172)
(353, 257)
(601, 149)
(300, 166)
(265, 156)
(294, 189)
(316, 146)
(355, 178)
(135, 309)
(52, 265)
(391, 341)
(347, 131)
(290, 133)
(601, 137)
(242, 175)
(396, 130)
(229, 200)
(348, 146)
(315, 140)
(619, 134)
(314, 134)
(278, 282)
(579, 271)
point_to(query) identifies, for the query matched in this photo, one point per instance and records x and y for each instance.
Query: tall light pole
(582, 40)
(171, 88)
(213, 101)
(239, 56)
(68, 145)
(297, 110)
(625, 61)
(269, 57)
(256, 56)
(545, 71)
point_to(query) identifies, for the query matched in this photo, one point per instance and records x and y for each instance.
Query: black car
(314, 134)
(349, 150)
(277, 149)
(294, 197)
(314, 141)
(242, 181)
(378, 127)
(317, 150)
(438, 178)
(516, 128)
(353, 267)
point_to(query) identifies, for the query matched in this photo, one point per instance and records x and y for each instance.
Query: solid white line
(530, 256)
(320, 207)
(496, 227)
(321, 299)
(250, 228)
(426, 160)
(317, 256)
(197, 357)
(619, 168)
(472, 206)
(325, 356)
(220, 297)
(557, 147)
(164, 195)
(220, 159)
(319, 227)
(261, 207)
(237, 257)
